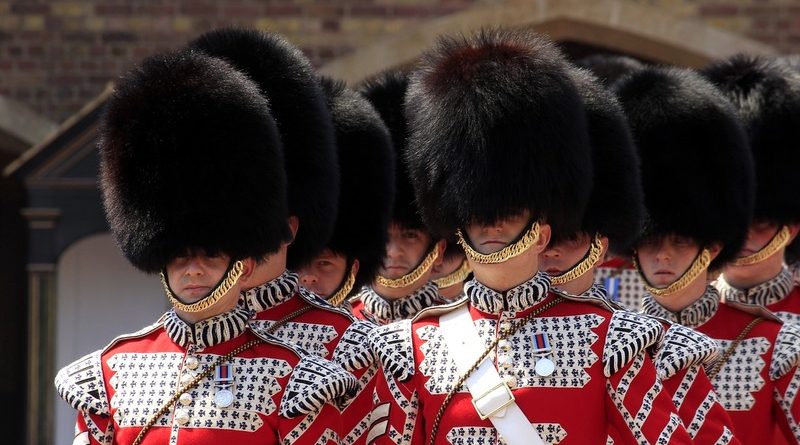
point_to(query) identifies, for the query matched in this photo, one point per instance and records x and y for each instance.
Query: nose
(392, 249)
(663, 253)
(307, 278)
(194, 267)
(551, 254)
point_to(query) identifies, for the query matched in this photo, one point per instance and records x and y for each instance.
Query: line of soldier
(428, 258)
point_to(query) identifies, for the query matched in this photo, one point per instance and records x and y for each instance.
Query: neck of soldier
(392, 293)
(453, 291)
(268, 269)
(225, 304)
(579, 285)
(745, 277)
(508, 274)
(683, 298)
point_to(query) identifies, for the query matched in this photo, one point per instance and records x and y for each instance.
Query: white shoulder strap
(491, 396)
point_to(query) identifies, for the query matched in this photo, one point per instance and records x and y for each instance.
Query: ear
(793, 230)
(355, 266)
(441, 245)
(247, 270)
(544, 238)
(604, 243)
(294, 224)
(714, 249)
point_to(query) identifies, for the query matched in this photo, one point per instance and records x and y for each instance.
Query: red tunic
(324, 330)
(604, 386)
(278, 395)
(758, 384)
(781, 295)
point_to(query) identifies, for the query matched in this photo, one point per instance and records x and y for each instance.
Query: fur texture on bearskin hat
(188, 152)
(616, 205)
(766, 93)
(610, 67)
(386, 91)
(697, 170)
(288, 80)
(496, 128)
(367, 163)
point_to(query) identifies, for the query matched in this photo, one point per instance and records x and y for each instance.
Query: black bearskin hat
(187, 145)
(287, 79)
(386, 91)
(697, 170)
(616, 204)
(766, 93)
(497, 127)
(610, 67)
(367, 163)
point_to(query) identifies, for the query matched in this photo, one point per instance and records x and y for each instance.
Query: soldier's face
(489, 238)
(194, 275)
(663, 260)
(561, 257)
(324, 274)
(404, 251)
(758, 236)
(449, 265)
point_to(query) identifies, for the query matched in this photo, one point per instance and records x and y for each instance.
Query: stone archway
(621, 26)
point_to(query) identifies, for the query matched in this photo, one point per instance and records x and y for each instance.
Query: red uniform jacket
(325, 330)
(279, 395)
(758, 384)
(604, 388)
(781, 295)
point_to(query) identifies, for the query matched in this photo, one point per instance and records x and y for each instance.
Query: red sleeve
(93, 429)
(701, 413)
(640, 411)
(788, 409)
(321, 427)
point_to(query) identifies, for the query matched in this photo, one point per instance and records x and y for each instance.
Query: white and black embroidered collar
(273, 292)
(516, 299)
(205, 333)
(692, 316)
(387, 311)
(766, 293)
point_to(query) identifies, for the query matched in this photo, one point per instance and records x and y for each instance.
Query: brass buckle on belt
(508, 402)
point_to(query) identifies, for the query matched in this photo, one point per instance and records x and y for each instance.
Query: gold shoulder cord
(504, 335)
(775, 244)
(224, 286)
(732, 347)
(208, 371)
(456, 277)
(413, 276)
(337, 298)
(505, 254)
(591, 258)
(700, 264)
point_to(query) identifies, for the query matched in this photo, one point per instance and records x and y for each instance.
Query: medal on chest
(223, 382)
(542, 351)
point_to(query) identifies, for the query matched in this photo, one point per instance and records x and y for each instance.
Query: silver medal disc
(223, 398)
(544, 367)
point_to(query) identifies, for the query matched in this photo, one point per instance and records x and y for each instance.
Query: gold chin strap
(700, 264)
(411, 277)
(337, 298)
(508, 252)
(222, 288)
(456, 277)
(775, 244)
(585, 265)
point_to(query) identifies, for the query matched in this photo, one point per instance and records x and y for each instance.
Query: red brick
(118, 36)
(27, 7)
(718, 9)
(110, 9)
(330, 25)
(279, 10)
(357, 10)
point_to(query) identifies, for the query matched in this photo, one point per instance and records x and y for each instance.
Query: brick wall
(55, 56)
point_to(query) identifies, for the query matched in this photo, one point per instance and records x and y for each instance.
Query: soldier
(366, 158)
(281, 306)
(687, 129)
(402, 287)
(767, 96)
(499, 154)
(615, 212)
(451, 275)
(187, 144)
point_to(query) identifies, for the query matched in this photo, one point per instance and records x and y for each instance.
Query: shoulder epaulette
(439, 309)
(317, 301)
(314, 382)
(628, 335)
(81, 385)
(683, 348)
(786, 354)
(353, 351)
(394, 348)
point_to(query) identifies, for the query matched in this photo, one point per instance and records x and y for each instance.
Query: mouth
(493, 242)
(746, 252)
(553, 271)
(664, 273)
